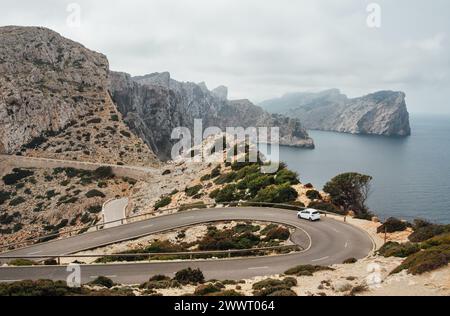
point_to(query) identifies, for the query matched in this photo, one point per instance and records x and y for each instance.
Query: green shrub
(125, 133)
(4, 196)
(103, 281)
(103, 173)
(206, 177)
(95, 193)
(394, 249)
(226, 178)
(186, 207)
(426, 260)
(17, 201)
(306, 270)
(189, 276)
(273, 287)
(350, 261)
(278, 233)
(94, 209)
(284, 292)
(277, 194)
(424, 232)
(205, 289)
(227, 194)
(392, 225)
(443, 239)
(17, 175)
(215, 172)
(193, 190)
(286, 176)
(114, 118)
(163, 202)
(38, 288)
(22, 263)
(313, 195)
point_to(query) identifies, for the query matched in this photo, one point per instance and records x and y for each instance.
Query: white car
(309, 214)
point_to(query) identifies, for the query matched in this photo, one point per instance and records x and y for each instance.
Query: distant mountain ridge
(380, 113)
(154, 104)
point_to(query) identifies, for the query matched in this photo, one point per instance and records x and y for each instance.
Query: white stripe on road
(258, 268)
(34, 253)
(346, 245)
(148, 226)
(321, 259)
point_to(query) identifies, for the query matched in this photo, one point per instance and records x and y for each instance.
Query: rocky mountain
(54, 101)
(153, 105)
(381, 113)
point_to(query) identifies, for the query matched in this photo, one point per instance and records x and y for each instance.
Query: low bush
(392, 225)
(38, 288)
(443, 239)
(350, 261)
(186, 207)
(313, 195)
(17, 175)
(4, 196)
(22, 263)
(277, 194)
(286, 176)
(189, 276)
(126, 134)
(424, 231)
(193, 190)
(94, 209)
(394, 249)
(273, 287)
(205, 289)
(426, 260)
(226, 293)
(103, 173)
(163, 202)
(306, 270)
(278, 233)
(226, 178)
(17, 201)
(103, 281)
(95, 193)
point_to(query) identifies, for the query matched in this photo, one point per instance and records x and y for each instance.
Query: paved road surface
(114, 211)
(329, 242)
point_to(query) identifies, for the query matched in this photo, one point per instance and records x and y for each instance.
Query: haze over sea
(411, 175)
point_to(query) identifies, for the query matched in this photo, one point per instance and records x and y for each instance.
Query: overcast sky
(265, 48)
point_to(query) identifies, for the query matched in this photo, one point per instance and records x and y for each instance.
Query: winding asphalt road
(326, 242)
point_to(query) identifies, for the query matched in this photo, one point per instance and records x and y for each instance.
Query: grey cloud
(261, 49)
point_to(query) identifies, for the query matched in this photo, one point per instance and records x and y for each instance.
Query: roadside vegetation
(242, 236)
(428, 249)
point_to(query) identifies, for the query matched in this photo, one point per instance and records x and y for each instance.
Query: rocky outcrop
(154, 105)
(381, 113)
(54, 101)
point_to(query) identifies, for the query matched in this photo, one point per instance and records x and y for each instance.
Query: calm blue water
(411, 175)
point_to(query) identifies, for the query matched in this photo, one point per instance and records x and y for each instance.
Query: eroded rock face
(55, 102)
(46, 82)
(153, 109)
(381, 113)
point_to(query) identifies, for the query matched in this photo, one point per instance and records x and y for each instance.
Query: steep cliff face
(381, 113)
(54, 101)
(155, 104)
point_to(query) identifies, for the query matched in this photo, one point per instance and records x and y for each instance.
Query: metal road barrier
(149, 215)
(148, 256)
